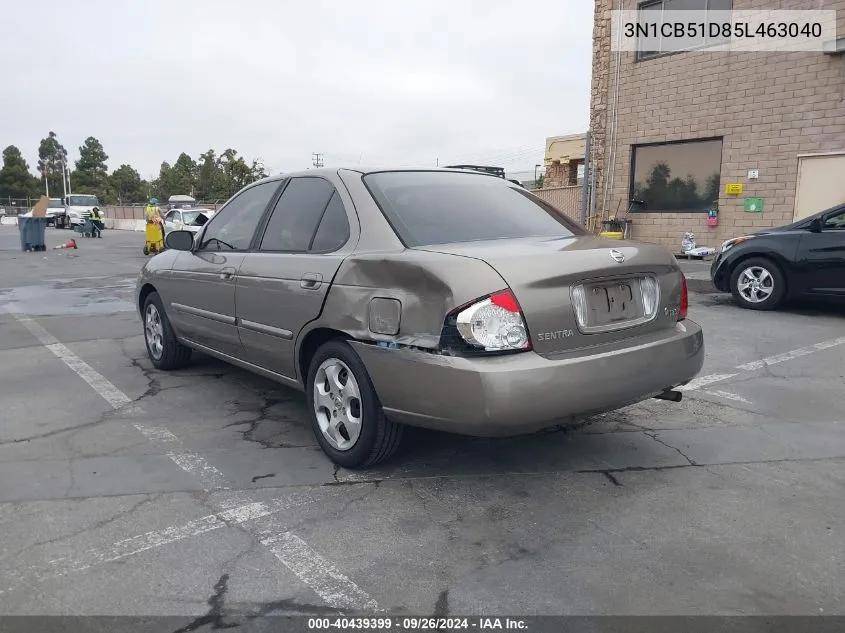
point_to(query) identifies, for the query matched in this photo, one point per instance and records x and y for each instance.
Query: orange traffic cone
(71, 244)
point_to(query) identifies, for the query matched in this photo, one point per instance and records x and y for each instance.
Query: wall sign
(753, 205)
(733, 188)
(753, 174)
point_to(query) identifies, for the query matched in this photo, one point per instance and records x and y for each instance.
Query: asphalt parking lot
(202, 492)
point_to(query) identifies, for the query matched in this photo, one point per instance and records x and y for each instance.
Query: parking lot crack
(261, 415)
(610, 476)
(216, 611)
(153, 384)
(94, 526)
(674, 448)
(441, 607)
(70, 429)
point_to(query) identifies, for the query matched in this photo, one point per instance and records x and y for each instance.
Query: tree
(236, 174)
(91, 174)
(257, 170)
(125, 183)
(16, 181)
(541, 180)
(183, 175)
(206, 174)
(161, 187)
(51, 157)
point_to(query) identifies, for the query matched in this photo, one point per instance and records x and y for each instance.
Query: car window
(427, 207)
(835, 222)
(296, 215)
(234, 226)
(334, 227)
(172, 216)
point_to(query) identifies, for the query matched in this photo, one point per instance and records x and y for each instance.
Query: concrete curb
(702, 286)
(124, 225)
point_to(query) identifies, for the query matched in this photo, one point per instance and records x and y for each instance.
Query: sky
(371, 82)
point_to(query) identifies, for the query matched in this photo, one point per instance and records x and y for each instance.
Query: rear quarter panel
(427, 285)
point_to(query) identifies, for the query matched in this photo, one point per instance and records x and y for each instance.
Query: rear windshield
(427, 208)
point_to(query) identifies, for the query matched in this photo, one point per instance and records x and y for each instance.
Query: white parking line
(314, 570)
(727, 395)
(189, 462)
(125, 548)
(703, 381)
(111, 394)
(197, 465)
(796, 353)
(318, 573)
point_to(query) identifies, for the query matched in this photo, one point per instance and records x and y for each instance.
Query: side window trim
(310, 248)
(322, 217)
(210, 223)
(269, 215)
(255, 245)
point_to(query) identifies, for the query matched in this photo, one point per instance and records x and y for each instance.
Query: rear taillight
(492, 324)
(682, 311)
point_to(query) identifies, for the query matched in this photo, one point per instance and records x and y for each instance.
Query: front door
(201, 287)
(821, 256)
(173, 221)
(282, 285)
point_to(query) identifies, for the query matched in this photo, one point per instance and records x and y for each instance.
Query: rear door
(283, 283)
(200, 291)
(821, 257)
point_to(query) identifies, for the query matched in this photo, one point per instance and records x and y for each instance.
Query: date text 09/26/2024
(416, 624)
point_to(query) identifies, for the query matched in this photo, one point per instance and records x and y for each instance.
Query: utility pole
(64, 182)
(317, 159)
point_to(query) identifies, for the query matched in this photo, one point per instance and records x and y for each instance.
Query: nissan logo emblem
(617, 255)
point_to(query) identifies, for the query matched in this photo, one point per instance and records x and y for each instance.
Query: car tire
(164, 350)
(758, 284)
(377, 437)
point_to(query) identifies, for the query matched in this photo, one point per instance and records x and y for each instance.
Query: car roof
(364, 170)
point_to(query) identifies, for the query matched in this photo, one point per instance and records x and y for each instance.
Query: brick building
(564, 160)
(677, 128)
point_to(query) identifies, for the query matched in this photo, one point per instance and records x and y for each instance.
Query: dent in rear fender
(427, 285)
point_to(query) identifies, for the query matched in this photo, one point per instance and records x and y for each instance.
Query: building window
(682, 176)
(654, 12)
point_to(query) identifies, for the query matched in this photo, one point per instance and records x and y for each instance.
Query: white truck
(78, 208)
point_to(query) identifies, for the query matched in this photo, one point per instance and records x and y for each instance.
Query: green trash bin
(32, 232)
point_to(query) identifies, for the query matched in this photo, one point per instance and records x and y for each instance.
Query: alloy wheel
(154, 331)
(337, 404)
(755, 284)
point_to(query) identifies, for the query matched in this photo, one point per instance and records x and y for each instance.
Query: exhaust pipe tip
(670, 394)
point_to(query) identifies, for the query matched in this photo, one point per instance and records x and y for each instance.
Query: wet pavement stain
(64, 300)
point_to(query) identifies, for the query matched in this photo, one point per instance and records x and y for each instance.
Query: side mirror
(815, 225)
(180, 240)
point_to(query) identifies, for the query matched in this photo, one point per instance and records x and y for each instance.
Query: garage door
(821, 184)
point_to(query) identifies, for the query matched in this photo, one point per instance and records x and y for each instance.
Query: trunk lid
(553, 279)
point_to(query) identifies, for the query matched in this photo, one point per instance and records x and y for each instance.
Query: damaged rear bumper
(523, 393)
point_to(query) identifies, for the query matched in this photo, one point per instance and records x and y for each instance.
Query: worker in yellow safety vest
(152, 213)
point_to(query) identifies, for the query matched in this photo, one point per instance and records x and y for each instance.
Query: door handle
(311, 281)
(227, 273)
